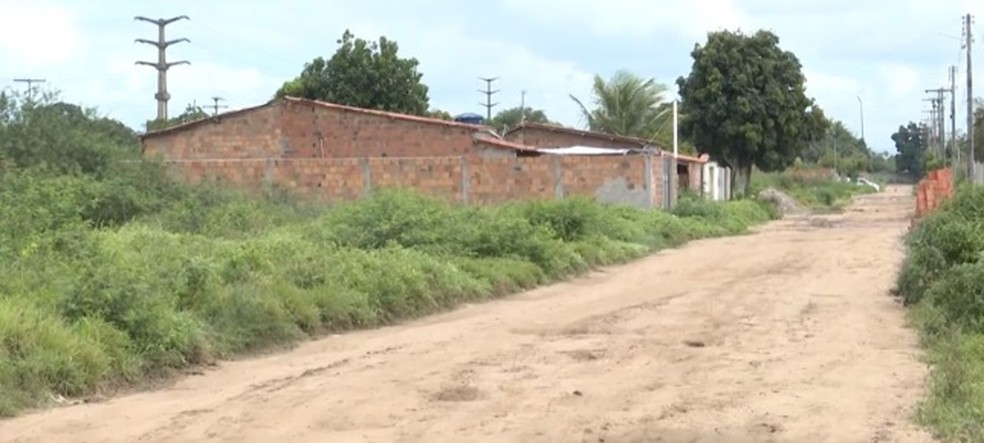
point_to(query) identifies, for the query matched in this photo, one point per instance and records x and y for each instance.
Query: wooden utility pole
(162, 65)
(488, 96)
(968, 43)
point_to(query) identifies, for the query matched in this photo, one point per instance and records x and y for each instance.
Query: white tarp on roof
(584, 150)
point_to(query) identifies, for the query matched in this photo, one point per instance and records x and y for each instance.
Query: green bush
(942, 280)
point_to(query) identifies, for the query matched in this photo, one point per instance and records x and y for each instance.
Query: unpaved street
(785, 335)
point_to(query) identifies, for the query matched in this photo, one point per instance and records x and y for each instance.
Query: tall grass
(102, 285)
(942, 280)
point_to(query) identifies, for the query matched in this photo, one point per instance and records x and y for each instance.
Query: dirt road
(785, 335)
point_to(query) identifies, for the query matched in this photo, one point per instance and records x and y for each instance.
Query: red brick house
(689, 168)
(300, 128)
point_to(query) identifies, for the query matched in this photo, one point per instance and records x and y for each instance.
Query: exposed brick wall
(932, 191)
(345, 134)
(619, 179)
(252, 133)
(545, 138)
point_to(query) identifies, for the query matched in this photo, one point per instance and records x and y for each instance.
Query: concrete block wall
(631, 180)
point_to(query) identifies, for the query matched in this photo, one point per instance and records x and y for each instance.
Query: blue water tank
(470, 118)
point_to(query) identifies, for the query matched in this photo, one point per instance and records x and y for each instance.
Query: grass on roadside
(942, 280)
(813, 193)
(103, 286)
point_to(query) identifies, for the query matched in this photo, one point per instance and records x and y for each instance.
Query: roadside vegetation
(942, 280)
(815, 193)
(112, 274)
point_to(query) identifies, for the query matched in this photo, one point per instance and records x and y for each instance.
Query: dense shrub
(942, 279)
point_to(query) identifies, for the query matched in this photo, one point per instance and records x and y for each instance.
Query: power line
(30, 85)
(162, 65)
(488, 96)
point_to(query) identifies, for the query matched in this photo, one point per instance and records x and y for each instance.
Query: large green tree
(363, 74)
(745, 104)
(628, 105)
(910, 144)
(512, 117)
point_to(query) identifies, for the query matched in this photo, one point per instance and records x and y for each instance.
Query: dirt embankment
(785, 335)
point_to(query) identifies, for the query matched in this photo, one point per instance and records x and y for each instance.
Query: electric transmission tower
(488, 96)
(162, 65)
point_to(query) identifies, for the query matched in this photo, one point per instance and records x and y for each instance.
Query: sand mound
(786, 204)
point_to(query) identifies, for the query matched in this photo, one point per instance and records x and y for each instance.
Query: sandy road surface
(785, 335)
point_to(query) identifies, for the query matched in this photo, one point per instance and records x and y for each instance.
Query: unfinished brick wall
(250, 133)
(313, 131)
(547, 138)
(615, 179)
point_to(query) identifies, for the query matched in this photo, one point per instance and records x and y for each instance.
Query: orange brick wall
(619, 179)
(932, 190)
(248, 134)
(309, 129)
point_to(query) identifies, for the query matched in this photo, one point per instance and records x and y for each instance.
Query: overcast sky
(886, 52)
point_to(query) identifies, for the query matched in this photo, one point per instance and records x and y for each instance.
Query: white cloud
(633, 18)
(900, 80)
(36, 36)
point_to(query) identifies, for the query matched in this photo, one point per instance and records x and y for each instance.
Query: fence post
(465, 180)
(558, 173)
(366, 176)
(648, 178)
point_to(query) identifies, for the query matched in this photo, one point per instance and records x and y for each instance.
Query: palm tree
(628, 105)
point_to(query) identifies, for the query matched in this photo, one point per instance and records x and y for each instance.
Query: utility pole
(162, 65)
(522, 107)
(968, 43)
(940, 105)
(953, 116)
(30, 85)
(861, 110)
(216, 106)
(933, 129)
(488, 96)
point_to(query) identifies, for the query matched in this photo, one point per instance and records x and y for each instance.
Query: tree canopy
(627, 105)
(745, 103)
(910, 143)
(76, 140)
(363, 74)
(510, 118)
(839, 148)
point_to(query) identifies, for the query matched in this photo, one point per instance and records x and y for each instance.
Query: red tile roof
(504, 143)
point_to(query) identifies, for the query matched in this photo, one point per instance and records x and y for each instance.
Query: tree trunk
(740, 178)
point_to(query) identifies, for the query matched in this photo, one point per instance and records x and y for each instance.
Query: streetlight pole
(861, 109)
